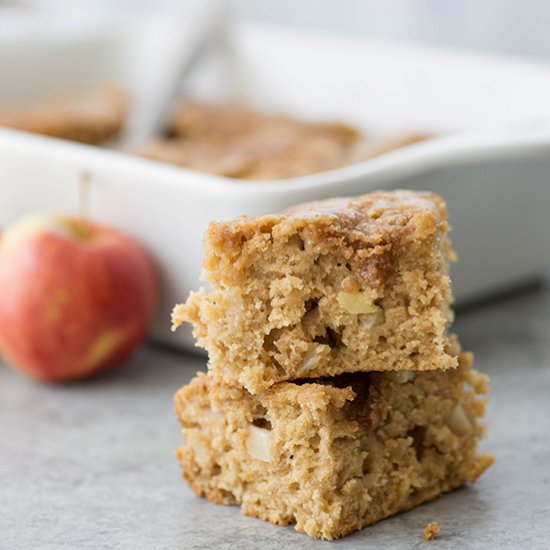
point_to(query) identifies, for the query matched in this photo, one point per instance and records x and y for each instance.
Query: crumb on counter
(431, 531)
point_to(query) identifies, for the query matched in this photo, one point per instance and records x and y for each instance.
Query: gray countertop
(91, 465)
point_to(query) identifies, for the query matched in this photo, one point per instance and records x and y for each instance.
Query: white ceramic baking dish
(492, 165)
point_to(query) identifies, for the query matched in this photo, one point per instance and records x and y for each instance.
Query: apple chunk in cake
(337, 286)
(332, 455)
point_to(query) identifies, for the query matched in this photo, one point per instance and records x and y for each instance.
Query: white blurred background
(509, 26)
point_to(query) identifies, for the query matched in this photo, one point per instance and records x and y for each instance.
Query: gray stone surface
(90, 465)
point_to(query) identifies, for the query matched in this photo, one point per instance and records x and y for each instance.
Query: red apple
(75, 297)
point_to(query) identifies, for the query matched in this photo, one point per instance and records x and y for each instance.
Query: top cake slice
(343, 285)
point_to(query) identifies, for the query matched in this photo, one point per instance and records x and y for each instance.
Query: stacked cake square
(335, 394)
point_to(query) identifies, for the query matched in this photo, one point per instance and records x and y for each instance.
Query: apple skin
(75, 297)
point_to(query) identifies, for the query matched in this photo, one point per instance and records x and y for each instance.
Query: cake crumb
(431, 531)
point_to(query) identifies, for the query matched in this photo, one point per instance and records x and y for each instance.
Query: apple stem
(84, 203)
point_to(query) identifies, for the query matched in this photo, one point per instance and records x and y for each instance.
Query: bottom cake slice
(336, 454)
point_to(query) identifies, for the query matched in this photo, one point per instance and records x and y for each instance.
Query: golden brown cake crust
(345, 285)
(232, 120)
(336, 454)
(369, 231)
(92, 116)
(236, 141)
